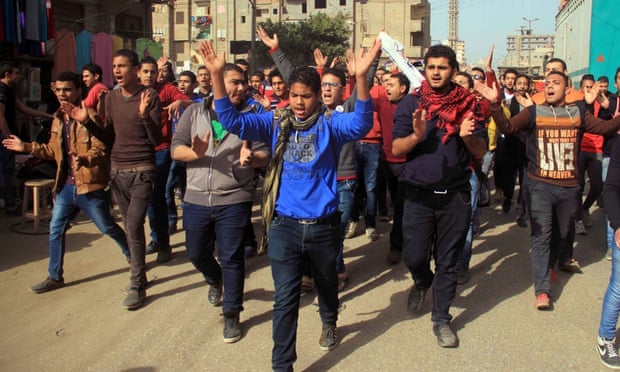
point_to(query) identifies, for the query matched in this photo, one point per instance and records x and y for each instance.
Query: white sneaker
(350, 230)
(371, 233)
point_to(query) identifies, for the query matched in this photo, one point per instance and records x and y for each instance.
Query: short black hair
(337, 73)
(189, 74)
(510, 71)
(470, 80)
(260, 75)
(94, 69)
(70, 76)
(275, 72)
(148, 60)
(603, 79)
(484, 75)
(6, 67)
(233, 67)
(587, 77)
(437, 51)
(307, 76)
(561, 61)
(523, 76)
(402, 79)
(131, 56)
(242, 62)
(562, 74)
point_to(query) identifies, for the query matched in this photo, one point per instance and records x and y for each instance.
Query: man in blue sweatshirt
(301, 198)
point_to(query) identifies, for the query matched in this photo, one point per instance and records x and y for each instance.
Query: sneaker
(580, 228)
(350, 230)
(572, 266)
(215, 294)
(543, 302)
(135, 298)
(329, 337)
(608, 254)
(445, 335)
(232, 331)
(152, 247)
(371, 233)
(416, 298)
(608, 352)
(164, 255)
(463, 276)
(47, 285)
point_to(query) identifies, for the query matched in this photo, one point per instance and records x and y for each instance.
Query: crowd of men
(329, 142)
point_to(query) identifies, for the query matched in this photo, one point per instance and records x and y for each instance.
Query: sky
(483, 23)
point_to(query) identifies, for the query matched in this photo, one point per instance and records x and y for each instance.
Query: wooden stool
(40, 191)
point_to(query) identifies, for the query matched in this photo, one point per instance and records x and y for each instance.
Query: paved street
(83, 327)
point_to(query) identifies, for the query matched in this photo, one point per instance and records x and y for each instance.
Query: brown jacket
(94, 174)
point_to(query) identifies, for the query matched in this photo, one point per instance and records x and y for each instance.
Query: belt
(332, 219)
(143, 168)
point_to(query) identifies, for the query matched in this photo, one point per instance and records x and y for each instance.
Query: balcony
(415, 26)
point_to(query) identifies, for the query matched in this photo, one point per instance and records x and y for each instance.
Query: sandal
(572, 266)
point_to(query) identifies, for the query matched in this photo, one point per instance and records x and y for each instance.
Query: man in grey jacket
(218, 200)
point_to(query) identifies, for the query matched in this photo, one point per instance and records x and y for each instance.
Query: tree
(298, 40)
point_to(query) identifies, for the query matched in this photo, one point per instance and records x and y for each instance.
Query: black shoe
(416, 298)
(172, 228)
(506, 206)
(521, 221)
(164, 255)
(394, 256)
(329, 337)
(463, 276)
(152, 247)
(232, 332)
(47, 285)
(135, 298)
(215, 294)
(445, 335)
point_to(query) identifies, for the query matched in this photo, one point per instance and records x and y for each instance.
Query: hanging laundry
(101, 54)
(84, 41)
(64, 52)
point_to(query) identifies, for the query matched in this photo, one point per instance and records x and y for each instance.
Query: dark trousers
(177, 177)
(292, 246)
(226, 222)
(132, 191)
(158, 208)
(592, 163)
(7, 166)
(552, 216)
(435, 224)
(390, 171)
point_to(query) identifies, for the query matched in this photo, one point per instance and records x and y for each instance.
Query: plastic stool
(40, 191)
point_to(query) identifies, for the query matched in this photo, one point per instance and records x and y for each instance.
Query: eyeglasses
(330, 84)
(476, 77)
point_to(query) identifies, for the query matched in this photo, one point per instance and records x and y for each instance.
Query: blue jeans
(96, 205)
(346, 193)
(293, 246)
(225, 223)
(368, 155)
(609, 238)
(552, 216)
(435, 224)
(158, 208)
(176, 177)
(7, 166)
(611, 302)
(465, 256)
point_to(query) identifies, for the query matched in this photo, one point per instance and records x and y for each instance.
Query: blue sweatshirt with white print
(308, 180)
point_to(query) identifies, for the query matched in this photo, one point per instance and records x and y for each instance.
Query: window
(304, 7)
(274, 11)
(343, 2)
(320, 4)
(242, 19)
(180, 18)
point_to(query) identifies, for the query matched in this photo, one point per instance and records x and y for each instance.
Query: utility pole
(253, 36)
(529, 43)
